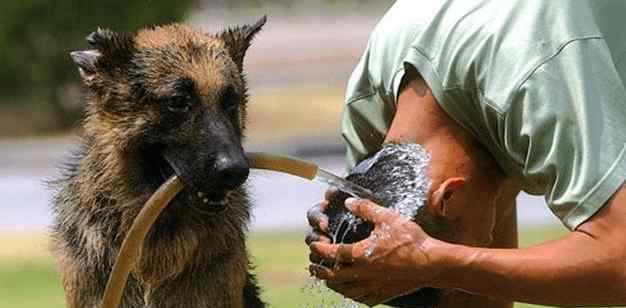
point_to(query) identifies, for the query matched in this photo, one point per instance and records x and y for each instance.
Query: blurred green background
(37, 78)
(297, 71)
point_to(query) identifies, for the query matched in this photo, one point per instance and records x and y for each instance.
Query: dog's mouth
(200, 197)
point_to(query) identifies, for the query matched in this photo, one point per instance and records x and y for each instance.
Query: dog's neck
(118, 189)
(107, 173)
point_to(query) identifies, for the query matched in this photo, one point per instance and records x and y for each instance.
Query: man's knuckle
(310, 213)
(361, 206)
(364, 260)
(314, 258)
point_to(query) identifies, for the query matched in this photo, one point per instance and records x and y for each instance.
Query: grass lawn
(28, 277)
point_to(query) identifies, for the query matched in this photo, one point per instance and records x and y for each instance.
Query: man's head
(465, 180)
(397, 178)
(453, 202)
(466, 183)
(170, 100)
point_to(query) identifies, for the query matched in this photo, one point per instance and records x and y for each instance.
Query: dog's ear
(112, 51)
(238, 40)
(86, 61)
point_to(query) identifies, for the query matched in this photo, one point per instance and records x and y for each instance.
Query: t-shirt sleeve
(366, 116)
(365, 123)
(566, 127)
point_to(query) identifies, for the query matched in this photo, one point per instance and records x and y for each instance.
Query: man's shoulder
(473, 44)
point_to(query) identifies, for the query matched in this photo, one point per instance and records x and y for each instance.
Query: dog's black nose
(230, 172)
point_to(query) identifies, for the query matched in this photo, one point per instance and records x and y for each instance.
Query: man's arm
(587, 267)
(600, 243)
(504, 236)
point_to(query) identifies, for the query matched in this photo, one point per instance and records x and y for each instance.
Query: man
(538, 85)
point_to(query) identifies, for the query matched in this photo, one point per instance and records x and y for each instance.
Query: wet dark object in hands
(397, 177)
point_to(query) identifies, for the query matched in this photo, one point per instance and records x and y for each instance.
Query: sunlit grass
(27, 284)
(28, 277)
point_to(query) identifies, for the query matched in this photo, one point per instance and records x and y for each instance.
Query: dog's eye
(180, 103)
(228, 99)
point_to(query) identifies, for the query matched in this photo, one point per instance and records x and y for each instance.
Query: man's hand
(391, 262)
(318, 220)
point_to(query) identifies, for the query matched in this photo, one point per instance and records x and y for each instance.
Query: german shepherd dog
(162, 101)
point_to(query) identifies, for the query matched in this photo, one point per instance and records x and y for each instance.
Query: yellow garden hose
(133, 243)
(282, 164)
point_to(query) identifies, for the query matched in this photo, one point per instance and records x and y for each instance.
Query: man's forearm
(587, 267)
(543, 274)
(504, 236)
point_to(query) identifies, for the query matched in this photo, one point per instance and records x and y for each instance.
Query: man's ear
(238, 40)
(443, 193)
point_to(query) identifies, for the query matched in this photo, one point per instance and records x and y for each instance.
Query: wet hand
(391, 262)
(318, 221)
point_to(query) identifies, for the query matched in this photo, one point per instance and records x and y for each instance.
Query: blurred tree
(36, 37)
(233, 4)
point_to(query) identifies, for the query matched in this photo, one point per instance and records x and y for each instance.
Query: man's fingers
(352, 274)
(347, 281)
(342, 275)
(340, 253)
(315, 258)
(316, 237)
(317, 219)
(350, 290)
(321, 272)
(369, 210)
(330, 193)
(312, 236)
(362, 292)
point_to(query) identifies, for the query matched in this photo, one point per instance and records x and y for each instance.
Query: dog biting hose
(132, 245)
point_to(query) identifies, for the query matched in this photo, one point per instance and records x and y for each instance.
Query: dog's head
(172, 100)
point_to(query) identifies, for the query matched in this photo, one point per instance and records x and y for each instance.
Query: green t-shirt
(539, 83)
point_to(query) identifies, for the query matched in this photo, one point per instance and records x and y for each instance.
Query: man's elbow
(606, 234)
